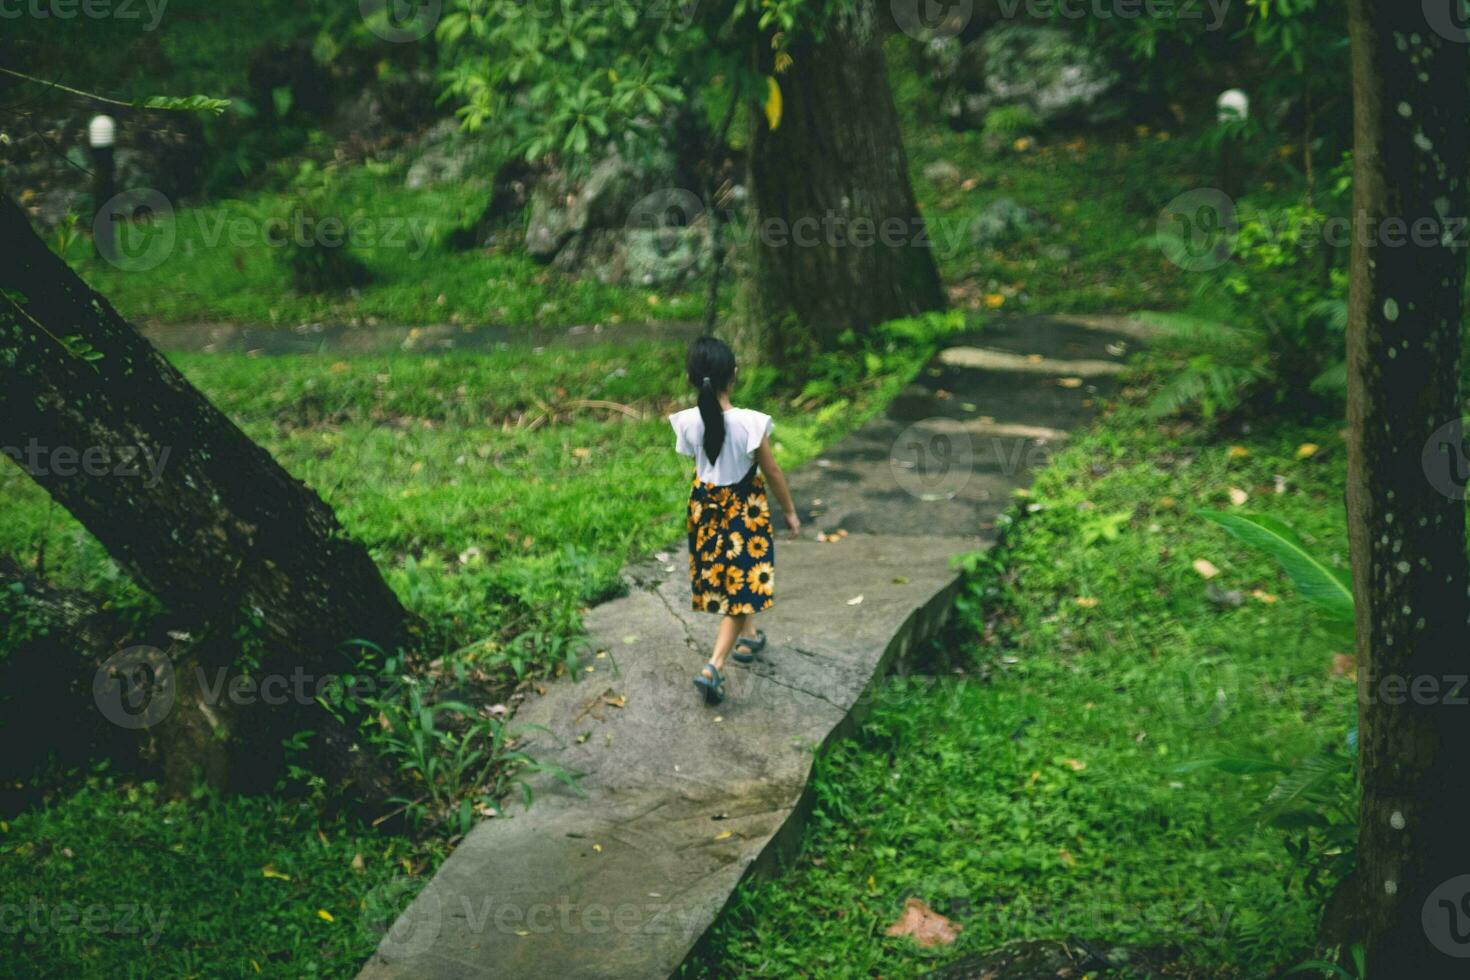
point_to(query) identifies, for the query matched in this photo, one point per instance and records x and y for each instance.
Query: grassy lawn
(220, 266)
(1036, 790)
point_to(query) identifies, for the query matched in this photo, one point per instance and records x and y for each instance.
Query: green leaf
(1317, 581)
(190, 103)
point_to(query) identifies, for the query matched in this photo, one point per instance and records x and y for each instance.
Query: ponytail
(711, 368)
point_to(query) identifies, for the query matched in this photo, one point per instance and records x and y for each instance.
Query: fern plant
(1313, 802)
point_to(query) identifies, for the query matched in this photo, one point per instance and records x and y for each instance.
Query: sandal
(713, 687)
(746, 648)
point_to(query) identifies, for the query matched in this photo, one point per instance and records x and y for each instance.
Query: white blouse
(745, 429)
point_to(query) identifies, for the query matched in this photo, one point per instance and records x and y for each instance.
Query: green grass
(1037, 793)
(113, 881)
(220, 266)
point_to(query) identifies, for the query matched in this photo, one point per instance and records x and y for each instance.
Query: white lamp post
(1233, 106)
(101, 134)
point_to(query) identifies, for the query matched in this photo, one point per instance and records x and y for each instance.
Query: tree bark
(208, 522)
(836, 238)
(1408, 538)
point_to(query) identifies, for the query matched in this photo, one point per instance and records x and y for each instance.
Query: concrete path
(682, 801)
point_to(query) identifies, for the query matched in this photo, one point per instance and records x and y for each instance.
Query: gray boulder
(1047, 70)
(1002, 222)
(447, 155)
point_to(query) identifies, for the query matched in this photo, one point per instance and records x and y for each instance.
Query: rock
(590, 226)
(447, 155)
(1047, 70)
(942, 172)
(1004, 221)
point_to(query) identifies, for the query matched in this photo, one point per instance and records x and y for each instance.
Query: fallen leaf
(1307, 450)
(725, 835)
(1069, 382)
(269, 871)
(926, 926)
(615, 700)
(1265, 597)
(1086, 601)
(1067, 858)
(1205, 568)
(1238, 496)
(855, 600)
(597, 848)
(1344, 665)
(1238, 452)
(358, 864)
(1076, 765)
(324, 915)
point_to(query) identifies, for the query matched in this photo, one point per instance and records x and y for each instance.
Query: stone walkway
(682, 801)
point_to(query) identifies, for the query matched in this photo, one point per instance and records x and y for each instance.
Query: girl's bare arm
(777, 480)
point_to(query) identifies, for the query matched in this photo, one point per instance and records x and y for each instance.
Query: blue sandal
(746, 648)
(713, 687)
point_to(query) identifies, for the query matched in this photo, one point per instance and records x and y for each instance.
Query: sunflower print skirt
(732, 556)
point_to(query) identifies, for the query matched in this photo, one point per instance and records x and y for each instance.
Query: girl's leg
(730, 629)
(748, 631)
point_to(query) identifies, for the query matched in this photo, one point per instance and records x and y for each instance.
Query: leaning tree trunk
(836, 239)
(1408, 537)
(213, 526)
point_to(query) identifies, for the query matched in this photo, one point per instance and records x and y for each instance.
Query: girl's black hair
(711, 367)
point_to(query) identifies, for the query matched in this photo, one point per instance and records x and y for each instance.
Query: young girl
(732, 556)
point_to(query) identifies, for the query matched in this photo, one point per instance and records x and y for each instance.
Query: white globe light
(101, 131)
(1233, 105)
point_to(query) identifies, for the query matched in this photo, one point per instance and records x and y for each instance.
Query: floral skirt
(732, 556)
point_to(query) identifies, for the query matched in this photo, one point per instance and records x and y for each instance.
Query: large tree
(1407, 536)
(198, 514)
(836, 240)
(851, 249)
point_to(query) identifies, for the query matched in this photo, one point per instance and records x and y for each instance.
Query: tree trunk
(197, 513)
(1407, 537)
(836, 239)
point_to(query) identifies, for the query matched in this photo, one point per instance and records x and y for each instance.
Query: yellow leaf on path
(926, 926)
(724, 835)
(269, 871)
(1238, 496)
(855, 600)
(597, 848)
(773, 103)
(324, 915)
(1069, 382)
(1205, 568)
(1307, 450)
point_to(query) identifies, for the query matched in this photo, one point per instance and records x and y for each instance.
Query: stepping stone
(679, 801)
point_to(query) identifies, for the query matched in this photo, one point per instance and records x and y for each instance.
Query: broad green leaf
(1317, 581)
